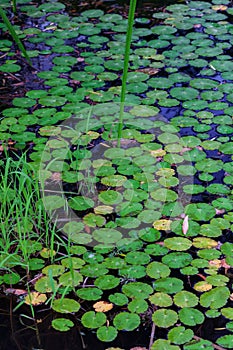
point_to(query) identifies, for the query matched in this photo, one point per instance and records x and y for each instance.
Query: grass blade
(14, 35)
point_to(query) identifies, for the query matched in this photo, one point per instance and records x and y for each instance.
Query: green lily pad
(93, 319)
(126, 321)
(65, 305)
(137, 290)
(185, 299)
(107, 282)
(110, 197)
(161, 299)
(62, 324)
(190, 316)
(177, 259)
(168, 285)
(114, 180)
(164, 195)
(53, 270)
(200, 211)
(157, 270)
(71, 278)
(215, 298)
(106, 235)
(226, 341)
(162, 344)
(90, 293)
(133, 271)
(137, 258)
(138, 306)
(177, 243)
(106, 333)
(93, 270)
(180, 335)
(164, 318)
(80, 203)
(45, 285)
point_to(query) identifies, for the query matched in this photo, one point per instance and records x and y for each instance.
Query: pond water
(150, 224)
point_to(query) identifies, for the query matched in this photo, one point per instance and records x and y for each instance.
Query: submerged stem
(132, 8)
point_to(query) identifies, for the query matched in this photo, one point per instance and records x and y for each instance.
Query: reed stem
(132, 8)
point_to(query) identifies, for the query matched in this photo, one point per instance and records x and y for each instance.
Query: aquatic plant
(148, 243)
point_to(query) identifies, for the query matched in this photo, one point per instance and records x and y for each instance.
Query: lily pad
(164, 318)
(126, 321)
(62, 324)
(93, 320)
(65, 305)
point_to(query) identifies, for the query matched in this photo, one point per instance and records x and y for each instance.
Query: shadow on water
(17, 332)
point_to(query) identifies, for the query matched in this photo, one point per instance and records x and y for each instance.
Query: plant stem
(14, 6)
(152, 335)
(132, 8)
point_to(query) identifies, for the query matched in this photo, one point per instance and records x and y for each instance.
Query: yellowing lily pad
(162, 224)
(102, 306)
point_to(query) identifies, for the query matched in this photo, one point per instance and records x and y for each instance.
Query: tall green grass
(132, 8)
(22, 214)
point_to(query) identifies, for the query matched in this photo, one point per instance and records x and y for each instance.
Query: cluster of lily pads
(149, 224)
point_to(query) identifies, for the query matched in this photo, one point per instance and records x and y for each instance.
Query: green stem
(132, 8)
(14, 6)
(14, 35)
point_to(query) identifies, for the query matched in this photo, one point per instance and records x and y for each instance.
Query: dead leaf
(219, 7)
(150, 71)
(158, 152)
(35, 298)
(185, 225)
(102, 306)
(15, 291)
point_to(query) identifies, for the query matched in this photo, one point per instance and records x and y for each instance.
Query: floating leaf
(65, 305)
(162, 225)
(157, 270)
(162, 344)
(107, 282)
(45, 285)
(62, 324)
(200, 211)
(35, 298)
(107, 235)
(102, 306)
(93, 320)
(71, 278)
(161, 299)
(106, 333)
(126, 321)
(190, 316)
(137, 290)
(177, 243)
(226, 341)
(185, 299)
(215, 298)
(168, 285)
(180, 335)
(164, 318)
(89, 293)
(81, 203)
